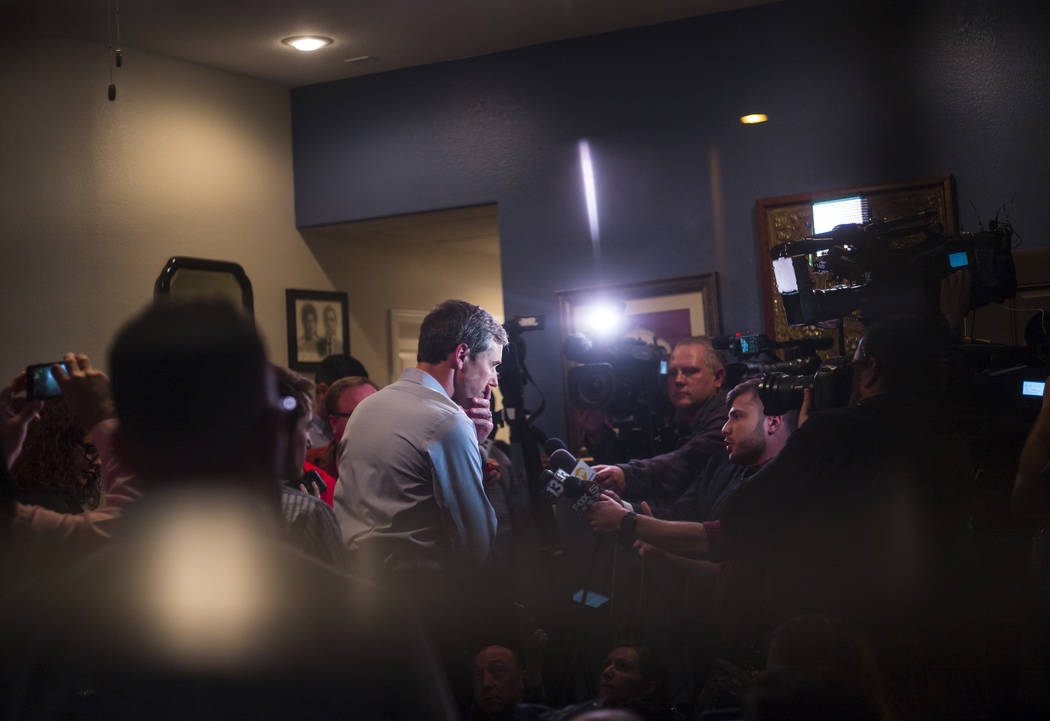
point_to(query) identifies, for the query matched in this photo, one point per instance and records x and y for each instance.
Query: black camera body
(626, 378)
(831, 385)
(889, 267)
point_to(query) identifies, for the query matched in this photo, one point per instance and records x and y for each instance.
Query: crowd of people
(201, 533)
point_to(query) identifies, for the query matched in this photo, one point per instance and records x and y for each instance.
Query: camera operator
(751, 438)
(695, 375)
(860, 513)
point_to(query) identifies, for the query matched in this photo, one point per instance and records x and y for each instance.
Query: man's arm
(16, 413)
(457, 473)
(82, 533)
(681, 538)
(1031, 492)
(666, 476)
(705, 571)
(88, 394)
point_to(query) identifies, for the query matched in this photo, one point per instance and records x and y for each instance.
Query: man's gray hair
(454, 322)
(715, 361)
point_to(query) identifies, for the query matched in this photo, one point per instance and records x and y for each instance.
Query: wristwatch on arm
(629, 526)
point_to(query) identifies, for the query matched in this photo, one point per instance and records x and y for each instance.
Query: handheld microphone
(558, 483)
(567, 462)
(578, 479)
(553, 484)
(553, 444)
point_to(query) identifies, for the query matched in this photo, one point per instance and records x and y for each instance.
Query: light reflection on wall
(590, 195)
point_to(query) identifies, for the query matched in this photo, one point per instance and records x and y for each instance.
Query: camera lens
(781, 392)
(592, 386)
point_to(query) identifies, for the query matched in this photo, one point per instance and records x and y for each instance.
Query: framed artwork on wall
(656, 311)
(318, 326)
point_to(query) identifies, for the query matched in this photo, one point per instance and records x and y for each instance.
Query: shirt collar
(417, 375)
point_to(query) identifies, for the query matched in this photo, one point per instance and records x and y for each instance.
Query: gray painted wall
(858, 93)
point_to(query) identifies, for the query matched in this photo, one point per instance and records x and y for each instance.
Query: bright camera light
(753, 118)
(602, 320)
(784, 272)
(307, 43)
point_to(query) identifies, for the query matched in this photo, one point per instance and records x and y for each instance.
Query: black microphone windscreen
(563, 460)
(553, 444)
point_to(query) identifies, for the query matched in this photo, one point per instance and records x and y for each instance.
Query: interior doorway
(396, 269)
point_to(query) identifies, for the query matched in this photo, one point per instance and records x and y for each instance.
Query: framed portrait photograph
(318, 326)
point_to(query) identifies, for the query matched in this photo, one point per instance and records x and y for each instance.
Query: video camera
(784, 381)
(626, 377)
(757, 354)
(831, 383)
(889, 266)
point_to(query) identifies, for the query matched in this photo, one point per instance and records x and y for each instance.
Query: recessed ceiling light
(753, 118)
(307, 43)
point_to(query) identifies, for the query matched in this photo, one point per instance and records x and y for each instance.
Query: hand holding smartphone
(40, 383)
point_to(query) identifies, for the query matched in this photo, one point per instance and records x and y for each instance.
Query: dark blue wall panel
(858, 93)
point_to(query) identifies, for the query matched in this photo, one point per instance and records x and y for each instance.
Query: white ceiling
(243, 36)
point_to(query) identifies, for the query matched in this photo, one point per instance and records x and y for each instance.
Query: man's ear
(322, 388)
(460, 356)
(773, 424)
(720, 377)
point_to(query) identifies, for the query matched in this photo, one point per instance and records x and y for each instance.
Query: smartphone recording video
(40, 384)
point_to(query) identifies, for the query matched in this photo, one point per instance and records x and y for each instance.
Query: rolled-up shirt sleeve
(456, 462)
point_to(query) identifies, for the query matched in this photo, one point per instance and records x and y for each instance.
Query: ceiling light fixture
(307, 43)
(753, 118)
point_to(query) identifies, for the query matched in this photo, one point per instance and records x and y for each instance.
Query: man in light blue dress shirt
(410, 497)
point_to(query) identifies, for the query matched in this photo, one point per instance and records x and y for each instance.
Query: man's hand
(807, 405)
(480, 412)
(605, 515)
(491, 474)
(610, 477)
(955, 297)
(87, 390)
(16, 413)
(646, 549)
(1031, 492)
